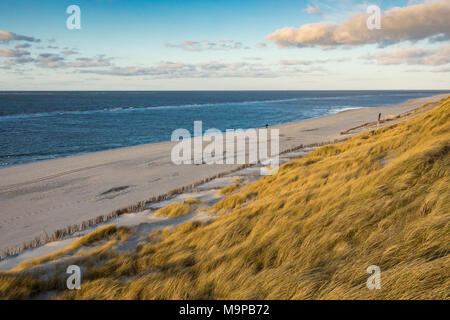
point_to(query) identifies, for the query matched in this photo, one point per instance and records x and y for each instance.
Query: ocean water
(44, 125)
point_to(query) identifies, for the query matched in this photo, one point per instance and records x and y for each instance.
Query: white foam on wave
(343, 108)
(132, 108)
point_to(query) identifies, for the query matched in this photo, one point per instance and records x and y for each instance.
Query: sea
(42, 125)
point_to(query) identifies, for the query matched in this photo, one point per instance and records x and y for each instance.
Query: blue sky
(222, 45)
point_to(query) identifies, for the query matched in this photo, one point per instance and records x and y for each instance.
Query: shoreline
(41, 197)
(63, 156)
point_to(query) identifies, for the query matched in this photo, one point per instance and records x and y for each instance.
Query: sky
(224, 45)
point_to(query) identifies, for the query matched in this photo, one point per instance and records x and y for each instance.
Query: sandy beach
(41, 197)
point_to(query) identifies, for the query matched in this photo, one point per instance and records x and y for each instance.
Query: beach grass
(177, 209)
(308, 232)
(230, 189)
(94, 236)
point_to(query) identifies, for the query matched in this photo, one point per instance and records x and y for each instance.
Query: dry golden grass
(99, 234)
(177, 209)
(191, 201)
(230, 189)
(308, 232)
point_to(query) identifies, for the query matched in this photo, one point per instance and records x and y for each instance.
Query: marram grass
(309, 232)
(93, 237)
(230, 189)
(177, 209)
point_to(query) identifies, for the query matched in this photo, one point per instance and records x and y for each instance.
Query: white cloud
(412, 56)
(8, 36)
(211, 69)
(261, 45)
(69, 52)
(314, 10)
(50, 60)
(19, 60)
(310, 62)
(203, 45)
(53, 60)
(429, 20)
(22, 45)
(88, 62)
(442, 69)
(6, 52)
